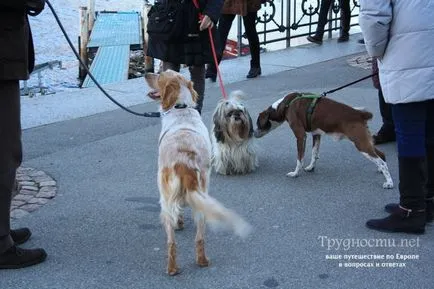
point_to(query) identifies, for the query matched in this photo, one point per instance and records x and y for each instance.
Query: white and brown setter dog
(184, 162)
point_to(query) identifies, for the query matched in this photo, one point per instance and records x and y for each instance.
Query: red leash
(214, 53)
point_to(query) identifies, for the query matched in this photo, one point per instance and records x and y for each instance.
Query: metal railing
(40, 88)
(286, 23)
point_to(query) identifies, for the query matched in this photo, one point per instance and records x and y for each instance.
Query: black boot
(16, 258)
(254, 72)
(393, 208)
(316, 38)
(403, 220)
(345, 21)
(412, 180)
(322, 21)
(430, 210)
(255, 62)
(429, 188)
(344, 37)
(384, 135)
(411, 215)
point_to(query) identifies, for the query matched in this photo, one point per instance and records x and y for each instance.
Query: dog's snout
(258, 133)
(237, 114)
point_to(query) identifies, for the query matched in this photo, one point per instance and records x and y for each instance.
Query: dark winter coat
(241, 7)
(16, 45)
(195, 50)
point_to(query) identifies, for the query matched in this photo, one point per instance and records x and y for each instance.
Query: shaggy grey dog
(233, 147)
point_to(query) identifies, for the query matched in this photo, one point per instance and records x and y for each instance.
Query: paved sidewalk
(46, 109)
(102, 229)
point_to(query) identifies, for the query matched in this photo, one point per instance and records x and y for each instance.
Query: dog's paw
(203, 262)
(388, 185)
(309, 168)
(293, 174)
(173, 271)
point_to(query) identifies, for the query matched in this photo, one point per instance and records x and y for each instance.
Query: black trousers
(323, 14)
(385, 111)
(10, 153)
(225, 24)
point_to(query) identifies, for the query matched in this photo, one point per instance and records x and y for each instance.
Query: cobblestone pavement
(34, 189)
(362, 61)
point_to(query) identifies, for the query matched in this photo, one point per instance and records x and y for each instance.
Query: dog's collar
(177, 106)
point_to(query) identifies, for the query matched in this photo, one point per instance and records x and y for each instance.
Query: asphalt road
(102, 230)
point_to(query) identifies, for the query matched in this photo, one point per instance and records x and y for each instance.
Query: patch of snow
(50, 44)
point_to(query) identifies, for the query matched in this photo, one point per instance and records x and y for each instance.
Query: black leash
(145, 114)
(346, 85)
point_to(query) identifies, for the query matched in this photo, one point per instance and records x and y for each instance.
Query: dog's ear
(263, 121)
(169, 90)
(193, 92)
(152, 80)
(251, 130)
(218, 131)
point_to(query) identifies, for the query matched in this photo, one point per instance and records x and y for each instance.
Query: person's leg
(197, 75)
(322, 21)
(172, 66)
(11, 257)
(10, 154)
(252, 36)
(410, 125)
(387, 131)
(345, 20)
(224, 26)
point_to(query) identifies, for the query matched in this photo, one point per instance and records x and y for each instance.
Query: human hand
(205, 23)
(35, 7)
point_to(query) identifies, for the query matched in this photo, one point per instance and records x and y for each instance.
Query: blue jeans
(414, 127)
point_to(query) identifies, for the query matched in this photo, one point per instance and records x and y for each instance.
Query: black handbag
(166, 21)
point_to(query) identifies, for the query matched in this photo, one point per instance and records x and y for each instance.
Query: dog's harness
(314, 99)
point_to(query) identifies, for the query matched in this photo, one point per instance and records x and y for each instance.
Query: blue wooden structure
(114, 35)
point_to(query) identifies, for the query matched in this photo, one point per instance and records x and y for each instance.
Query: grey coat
(400, 33)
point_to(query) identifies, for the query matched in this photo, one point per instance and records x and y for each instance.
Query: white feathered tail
(217, 215)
